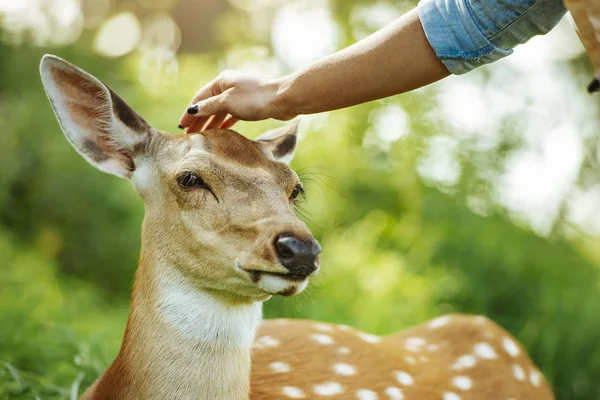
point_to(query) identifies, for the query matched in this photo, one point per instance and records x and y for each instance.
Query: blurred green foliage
(398, 249)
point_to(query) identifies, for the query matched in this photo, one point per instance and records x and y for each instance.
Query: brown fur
(236, 149)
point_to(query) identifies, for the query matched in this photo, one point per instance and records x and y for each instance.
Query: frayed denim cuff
(466, 34)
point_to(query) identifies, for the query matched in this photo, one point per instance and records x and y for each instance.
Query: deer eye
(190, 180)
(296, 192)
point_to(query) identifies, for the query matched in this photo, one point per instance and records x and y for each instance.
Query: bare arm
(393, 60)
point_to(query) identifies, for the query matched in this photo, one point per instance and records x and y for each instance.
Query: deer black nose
(298, 256)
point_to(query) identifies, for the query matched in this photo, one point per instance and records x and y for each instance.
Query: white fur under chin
(203, 317)
(275, 285)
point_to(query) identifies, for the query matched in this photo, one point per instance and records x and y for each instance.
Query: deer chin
(279, 284)
(273, 283)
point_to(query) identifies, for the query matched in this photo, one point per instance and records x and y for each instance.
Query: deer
(219, 238)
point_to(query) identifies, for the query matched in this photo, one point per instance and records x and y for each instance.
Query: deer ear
(99, 125)
(280, 142)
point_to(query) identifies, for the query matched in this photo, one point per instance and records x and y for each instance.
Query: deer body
(453, 357)
(220, 237)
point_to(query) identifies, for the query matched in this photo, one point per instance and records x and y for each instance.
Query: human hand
(234, 96)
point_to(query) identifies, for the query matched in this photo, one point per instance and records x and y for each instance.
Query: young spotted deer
(220, 237)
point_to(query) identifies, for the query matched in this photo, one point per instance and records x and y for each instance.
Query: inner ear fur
(281, 142)
(95, 120)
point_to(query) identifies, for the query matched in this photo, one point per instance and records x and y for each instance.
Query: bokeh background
(479, 194)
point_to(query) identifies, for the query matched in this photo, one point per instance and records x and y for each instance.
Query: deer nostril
(286, 247)
(297, 256)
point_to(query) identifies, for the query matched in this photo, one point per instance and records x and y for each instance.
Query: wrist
(284, 104)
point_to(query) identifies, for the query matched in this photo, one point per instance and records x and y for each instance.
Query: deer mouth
(275, 283)
(255, 275)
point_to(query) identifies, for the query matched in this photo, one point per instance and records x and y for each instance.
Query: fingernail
(180, 127)
(594, 86)
(193, 110)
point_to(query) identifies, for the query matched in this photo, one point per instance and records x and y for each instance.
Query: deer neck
(184, 342)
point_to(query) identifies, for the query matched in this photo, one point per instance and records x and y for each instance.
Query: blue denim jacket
(466, 34)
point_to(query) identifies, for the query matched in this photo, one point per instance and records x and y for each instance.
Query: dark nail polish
(180, 127)
(193, 110)
(594, 86)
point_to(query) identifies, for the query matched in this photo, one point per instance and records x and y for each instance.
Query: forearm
(451, 36)
(394, 60)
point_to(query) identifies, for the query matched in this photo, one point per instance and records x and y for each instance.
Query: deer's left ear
(280, 142)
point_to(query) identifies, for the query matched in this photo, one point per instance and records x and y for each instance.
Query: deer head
(219, 207)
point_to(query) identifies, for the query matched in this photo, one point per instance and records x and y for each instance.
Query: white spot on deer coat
(367, 337)
(264, 342)
(535, 377)
(293, 392)
(511, 347)
(451, 396)
(485, 351)
(344, 350)
(280, 367)
(322, 338)
(414, 343)
(410, 360)
(439, 322)
(328, 389)
(464, 362)
(462, 382)
(404, 378)
(365, 394)
(344, 369)
(394, 393)
(323, 327)
(518, 372)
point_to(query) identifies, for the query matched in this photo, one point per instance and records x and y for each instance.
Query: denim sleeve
(466, 34)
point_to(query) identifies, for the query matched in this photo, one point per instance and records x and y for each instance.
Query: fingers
(203, 110)
(187, 119)
(229, 122)
(197, 125)
(220, 103)
(197, 110)
(222, 121)
(216, 121)
(205, 98)
(213, 88)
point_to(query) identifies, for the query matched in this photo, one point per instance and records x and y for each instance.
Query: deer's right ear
(99, 125)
